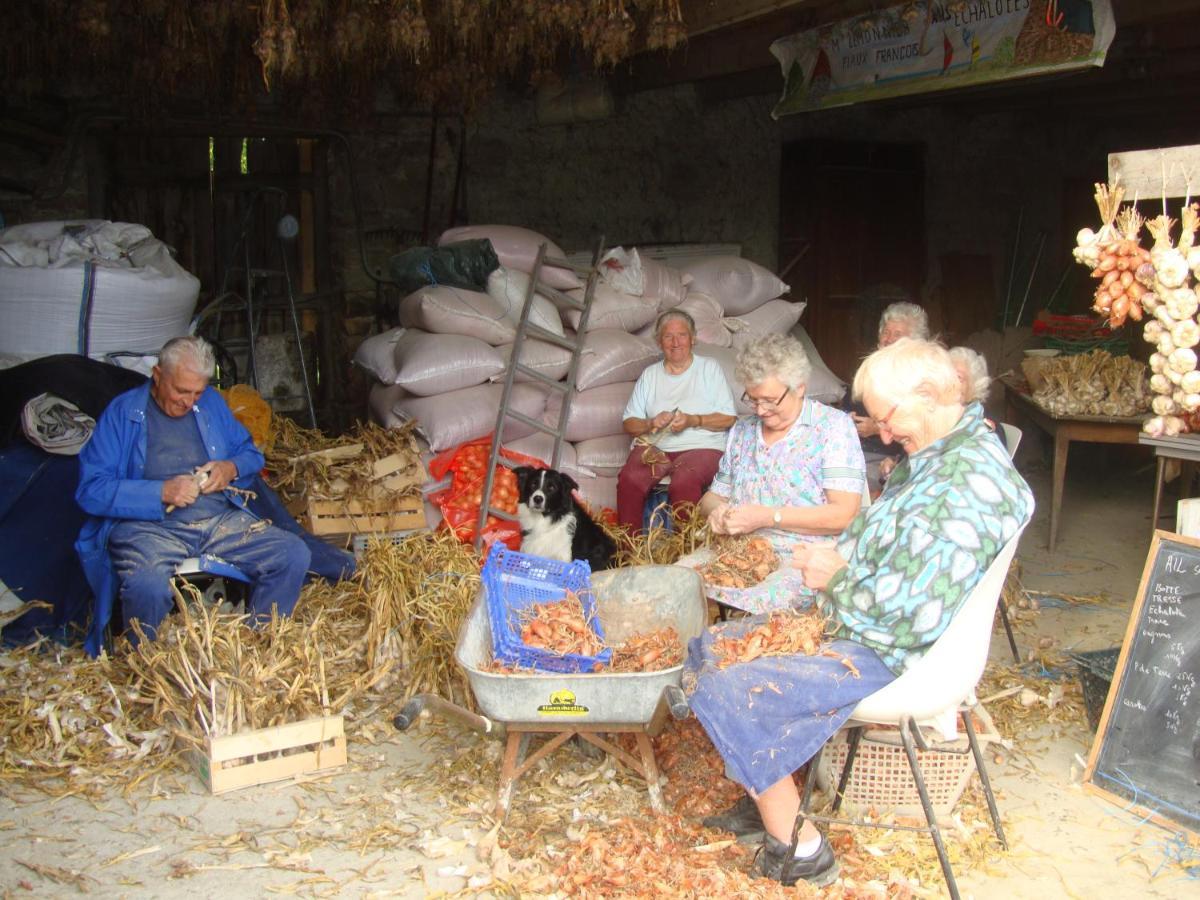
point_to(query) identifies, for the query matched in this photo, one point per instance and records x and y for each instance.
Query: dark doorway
(856, 212)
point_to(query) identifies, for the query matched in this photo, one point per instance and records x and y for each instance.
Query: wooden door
(858, 208)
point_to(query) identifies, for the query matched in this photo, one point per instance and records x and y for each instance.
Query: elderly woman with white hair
(898, 320)
(890, 586)
(791, 472)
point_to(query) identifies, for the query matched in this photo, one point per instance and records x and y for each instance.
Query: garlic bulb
(1158, 362)
(1154, 426)
(1172, 426)
(1162, 405)
(1161, 384)
(1150, 302)
(1191, 402)
(1186, 333)
(1181, 303)
(1191, 382)
(1152, 331)
(1182, 360)
(1178, 396)
(1166, 346)
(1170, 267)
(1164, 315)
(1173, 376)
(1193, 260)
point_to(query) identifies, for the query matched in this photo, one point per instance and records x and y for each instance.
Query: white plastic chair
(1012, 437)
(938, 689)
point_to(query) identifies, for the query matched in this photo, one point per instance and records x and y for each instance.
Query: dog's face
(544, 490)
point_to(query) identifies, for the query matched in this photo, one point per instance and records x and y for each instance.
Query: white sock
(805, 849)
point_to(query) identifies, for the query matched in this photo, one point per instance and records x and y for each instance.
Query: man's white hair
(190, 352)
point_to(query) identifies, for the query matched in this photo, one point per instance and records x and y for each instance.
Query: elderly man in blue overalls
(159, 478)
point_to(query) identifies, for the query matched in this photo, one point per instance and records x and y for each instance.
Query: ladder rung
(501, 514)
(544, 334)
(533, 423)
(544, 379)
(559, 263)
(557, 296)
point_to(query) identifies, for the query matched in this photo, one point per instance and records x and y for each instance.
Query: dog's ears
(569, 482)
(523, 473)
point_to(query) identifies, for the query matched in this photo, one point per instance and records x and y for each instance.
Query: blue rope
(426, 269)
(83, 330)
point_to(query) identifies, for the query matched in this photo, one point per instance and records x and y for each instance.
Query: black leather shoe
(775, 861)
(743, 819)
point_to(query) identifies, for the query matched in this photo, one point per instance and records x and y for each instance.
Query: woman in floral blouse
(792, 472)
(890, 587)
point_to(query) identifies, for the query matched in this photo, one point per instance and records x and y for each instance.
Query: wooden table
(1063, 430)
(1183, 447)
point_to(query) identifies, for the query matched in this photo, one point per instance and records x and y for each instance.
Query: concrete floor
(173, 841)
(1068, 842)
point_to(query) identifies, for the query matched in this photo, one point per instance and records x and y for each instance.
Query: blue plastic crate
(512, 582)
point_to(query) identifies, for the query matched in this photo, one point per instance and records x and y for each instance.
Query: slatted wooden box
(272, 754)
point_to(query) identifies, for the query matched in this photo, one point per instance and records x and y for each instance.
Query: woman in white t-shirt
(680, 410)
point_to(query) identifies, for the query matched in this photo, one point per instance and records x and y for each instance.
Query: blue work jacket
(111, 486)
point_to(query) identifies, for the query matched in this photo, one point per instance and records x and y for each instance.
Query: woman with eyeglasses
(791, 472)
(678, 414)
(890, 587)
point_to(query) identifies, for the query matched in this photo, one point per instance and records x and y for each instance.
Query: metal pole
(1012, 269)
(285, 230)
(1032, 272)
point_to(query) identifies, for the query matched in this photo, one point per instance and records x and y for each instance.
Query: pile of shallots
(1160, 283)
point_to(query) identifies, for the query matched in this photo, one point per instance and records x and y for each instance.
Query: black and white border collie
(554, 524)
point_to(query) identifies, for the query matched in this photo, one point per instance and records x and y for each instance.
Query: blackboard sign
(1147, 749)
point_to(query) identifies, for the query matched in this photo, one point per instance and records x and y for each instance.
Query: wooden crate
(363, 516)
(272, 754)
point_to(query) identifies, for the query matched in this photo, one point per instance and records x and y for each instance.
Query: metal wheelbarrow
(515, 707)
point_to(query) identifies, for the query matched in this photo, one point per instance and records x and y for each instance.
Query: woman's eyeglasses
(761, 404)
(883, 423)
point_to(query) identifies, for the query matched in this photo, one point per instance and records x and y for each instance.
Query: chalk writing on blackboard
(1147, 748)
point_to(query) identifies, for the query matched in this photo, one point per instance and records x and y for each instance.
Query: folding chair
(938, 689)
(211, 575)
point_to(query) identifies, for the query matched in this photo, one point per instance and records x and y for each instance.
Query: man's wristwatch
(777, 518)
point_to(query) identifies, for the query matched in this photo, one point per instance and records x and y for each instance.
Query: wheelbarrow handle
(677, 701)
(435, 704)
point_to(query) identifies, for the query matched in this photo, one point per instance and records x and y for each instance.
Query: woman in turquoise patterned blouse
(890, 586)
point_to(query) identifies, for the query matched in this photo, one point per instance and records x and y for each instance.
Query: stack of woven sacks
(445, 365)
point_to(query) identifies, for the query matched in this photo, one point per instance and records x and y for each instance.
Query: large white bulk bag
(612, 308)
(442, 309)
(90, 286)
(605, 455)
(508, 287)
(594, 413)
(549, 360)
(739, 285)
(448, 420)
(667, 285)
(610, 355)
(517, 248)
(773, 317)
(381, 403)
(707, 313)
(540, 445)
(597, 492)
